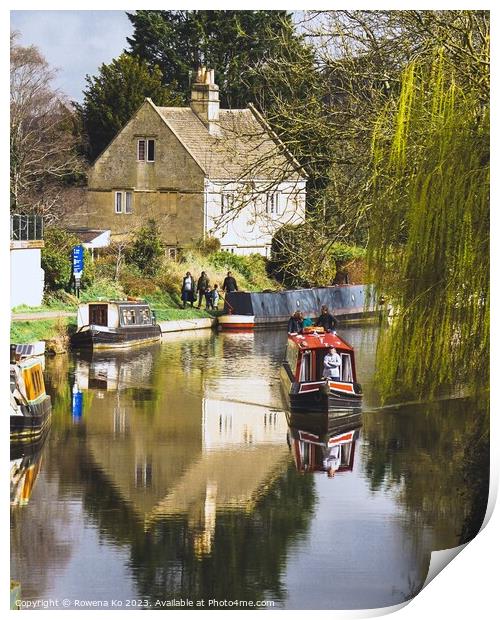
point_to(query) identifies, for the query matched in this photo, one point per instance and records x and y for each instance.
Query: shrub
(147, 249)
(208, 246)
(56, 257)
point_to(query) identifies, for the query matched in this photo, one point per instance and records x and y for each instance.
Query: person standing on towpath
(188, 292)
(202, 286)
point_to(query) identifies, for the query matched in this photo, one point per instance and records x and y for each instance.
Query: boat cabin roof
(318, 341)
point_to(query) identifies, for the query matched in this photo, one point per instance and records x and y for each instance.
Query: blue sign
(77, 258)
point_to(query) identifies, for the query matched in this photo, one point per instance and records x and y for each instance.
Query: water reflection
(323, 443)
(174, 468)
(25, 463)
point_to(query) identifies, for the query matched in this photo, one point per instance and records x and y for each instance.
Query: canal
(170, 472)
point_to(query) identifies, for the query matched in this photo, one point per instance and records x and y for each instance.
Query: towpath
(34, 316)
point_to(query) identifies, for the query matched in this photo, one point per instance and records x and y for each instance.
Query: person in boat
(188, 291)
(202, 287)
(229, 285)
(326, 320)
(295, 323)
(306, 321)
(331, 365)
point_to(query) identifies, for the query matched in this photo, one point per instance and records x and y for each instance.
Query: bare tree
(43, 136)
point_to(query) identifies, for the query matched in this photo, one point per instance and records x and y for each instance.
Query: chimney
(205, 99)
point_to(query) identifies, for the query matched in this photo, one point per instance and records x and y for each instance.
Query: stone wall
(169, 190)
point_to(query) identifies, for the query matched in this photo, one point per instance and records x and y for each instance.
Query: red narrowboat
(302, 373)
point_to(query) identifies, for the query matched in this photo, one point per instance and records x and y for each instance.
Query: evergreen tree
(115, 94)
(231, 42)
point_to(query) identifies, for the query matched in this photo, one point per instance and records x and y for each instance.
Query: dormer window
(146, 149)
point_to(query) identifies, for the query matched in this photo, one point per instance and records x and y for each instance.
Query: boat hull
(98, 338)
(31, 422)
(320, 397)
(236, 322)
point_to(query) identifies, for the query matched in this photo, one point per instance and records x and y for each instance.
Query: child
(214, 297)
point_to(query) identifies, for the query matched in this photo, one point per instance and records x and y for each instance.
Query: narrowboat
(30, 405)
(115, 324)
(251, 310)
(302, 380)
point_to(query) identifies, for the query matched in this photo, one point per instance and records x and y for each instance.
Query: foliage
(102, 288)
(304, 255)
(114, 95)
(429, 232)
(44, 135)
(231, 42)
(147, 249)
(56, 257)
(208, 246)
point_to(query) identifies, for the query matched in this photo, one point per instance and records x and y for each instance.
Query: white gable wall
(248, 226)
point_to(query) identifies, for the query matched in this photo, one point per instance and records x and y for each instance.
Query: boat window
(98, 314)
(145, 316)
(128, 316)
(346, 368)
(33, 381)
(305, 367)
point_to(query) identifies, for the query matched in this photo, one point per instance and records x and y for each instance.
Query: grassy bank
(43, 329)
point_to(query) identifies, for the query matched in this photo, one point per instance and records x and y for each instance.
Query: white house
(199, 171)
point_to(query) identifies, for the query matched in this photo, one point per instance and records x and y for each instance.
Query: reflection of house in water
(175, 453)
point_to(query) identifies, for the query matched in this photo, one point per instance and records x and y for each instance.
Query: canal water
(170, 472)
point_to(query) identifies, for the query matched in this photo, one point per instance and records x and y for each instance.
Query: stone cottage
(199, 171)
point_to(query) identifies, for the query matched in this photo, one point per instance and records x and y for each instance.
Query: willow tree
(429, 235)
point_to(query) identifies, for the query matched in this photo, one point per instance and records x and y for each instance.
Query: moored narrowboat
(302, 374)
(30, 405)
(115, 324)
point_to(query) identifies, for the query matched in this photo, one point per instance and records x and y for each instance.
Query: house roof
(242, 146)
(86, 235)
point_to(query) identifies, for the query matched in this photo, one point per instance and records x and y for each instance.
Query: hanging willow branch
(429, 236)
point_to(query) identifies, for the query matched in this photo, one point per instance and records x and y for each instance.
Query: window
(227, 202)
(128, 202)
(128, 316)
(123, 202)
(151, 150)
(172, 253)
(272, 204)
(145, 149)
(118, 202)
(141, 150)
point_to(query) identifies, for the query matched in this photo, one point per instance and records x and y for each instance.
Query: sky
(74, 42)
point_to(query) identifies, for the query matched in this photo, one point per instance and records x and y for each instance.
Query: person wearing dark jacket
(295, 323)
(188, 291)
(229, 285)
(202, 286)
(326, 320)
